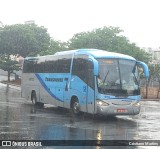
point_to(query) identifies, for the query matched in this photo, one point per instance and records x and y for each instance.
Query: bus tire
(75, 109)
(40, 104)
(34, 98)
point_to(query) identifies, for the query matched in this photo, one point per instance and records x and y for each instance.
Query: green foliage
(23, 39)
(7, 64)
(109, 39)
(101, 38)
(154, 72)
(30, 40)
(55, 46)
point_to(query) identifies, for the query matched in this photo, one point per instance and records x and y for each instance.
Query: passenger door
(90, 102)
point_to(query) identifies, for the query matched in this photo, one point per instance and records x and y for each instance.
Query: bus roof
(91, 52)
(96, 53)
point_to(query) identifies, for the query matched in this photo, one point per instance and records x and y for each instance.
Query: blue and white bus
(86, 80)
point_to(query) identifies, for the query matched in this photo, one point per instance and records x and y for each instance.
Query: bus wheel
(34, 98)
(75, 106)
(40, 105)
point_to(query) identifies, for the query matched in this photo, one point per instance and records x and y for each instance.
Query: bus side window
(51, 64)
(29, 66)
(79, 68)
(90, 74)
(39, 67)
(64, 63)
(83, 69)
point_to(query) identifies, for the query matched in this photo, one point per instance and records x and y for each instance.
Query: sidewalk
(151, 99)
(12, 82)
(11, 85)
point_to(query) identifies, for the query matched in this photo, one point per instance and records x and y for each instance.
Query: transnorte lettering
(54, 79)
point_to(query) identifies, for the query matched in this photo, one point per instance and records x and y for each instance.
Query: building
(29, 22)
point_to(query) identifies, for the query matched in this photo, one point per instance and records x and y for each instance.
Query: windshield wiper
(105, 77)
(133, 72)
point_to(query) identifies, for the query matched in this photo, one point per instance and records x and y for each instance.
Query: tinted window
(29, 66)
(64, 63)
(80, 67)
(48, 64)
(90, 74)
(51, 64)
(40, 65)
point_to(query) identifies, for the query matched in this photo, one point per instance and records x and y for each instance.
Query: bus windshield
(118, 77)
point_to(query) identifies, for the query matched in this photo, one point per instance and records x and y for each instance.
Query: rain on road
(20, 120)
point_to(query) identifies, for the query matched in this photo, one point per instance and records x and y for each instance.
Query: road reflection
(87, 127)
(20, 120)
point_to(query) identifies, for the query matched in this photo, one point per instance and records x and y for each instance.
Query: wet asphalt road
(20, 120)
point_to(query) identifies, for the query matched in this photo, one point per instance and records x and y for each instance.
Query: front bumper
(118, 110)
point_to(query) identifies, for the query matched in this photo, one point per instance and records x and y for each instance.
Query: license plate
(121, 110)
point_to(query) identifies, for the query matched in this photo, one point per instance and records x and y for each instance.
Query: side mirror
(145, 68)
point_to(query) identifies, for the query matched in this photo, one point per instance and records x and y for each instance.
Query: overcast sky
(140, 19)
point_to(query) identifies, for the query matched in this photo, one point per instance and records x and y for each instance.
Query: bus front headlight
(102, 103)
(137, 104)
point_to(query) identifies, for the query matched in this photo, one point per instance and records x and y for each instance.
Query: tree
(21, 39)
(109, 39)
(155, 75)
(55, 46)
(9, 65)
